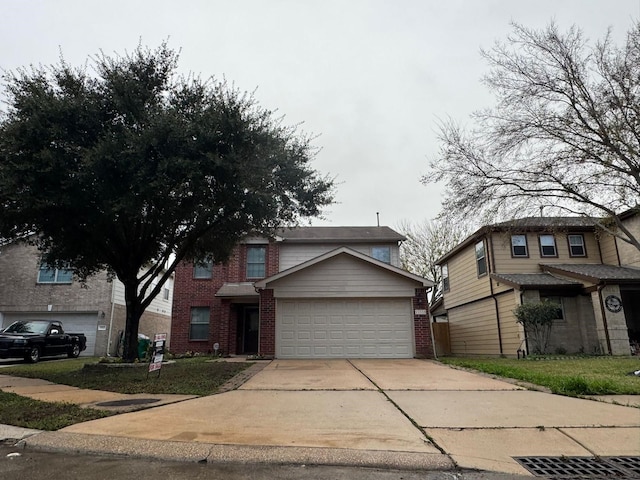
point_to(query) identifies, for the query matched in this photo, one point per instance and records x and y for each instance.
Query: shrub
(537, 319)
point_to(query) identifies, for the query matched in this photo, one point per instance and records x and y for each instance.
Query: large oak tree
(126, 166)
(564, 135)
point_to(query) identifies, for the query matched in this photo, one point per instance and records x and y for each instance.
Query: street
(67, 466)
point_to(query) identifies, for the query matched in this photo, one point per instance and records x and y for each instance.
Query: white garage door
(86, 323)
(344, 328)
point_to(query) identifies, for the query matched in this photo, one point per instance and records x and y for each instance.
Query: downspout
(604, 319)
(495, 300)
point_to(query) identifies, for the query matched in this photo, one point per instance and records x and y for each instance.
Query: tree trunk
(134, 312)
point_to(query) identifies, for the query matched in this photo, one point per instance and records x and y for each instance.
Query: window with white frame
(519, 246)
(199, 327)
(548, 246)
(576, 245)
(444, 270)
(203, 269)
(381, 253)
(481, 258)
(166, 293)
(256, 259)
(48, 274)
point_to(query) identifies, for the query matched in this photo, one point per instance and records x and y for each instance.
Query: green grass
(194, 376)
(566, 376)
(28, 413)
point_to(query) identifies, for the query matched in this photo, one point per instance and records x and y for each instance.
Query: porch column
(611, 324)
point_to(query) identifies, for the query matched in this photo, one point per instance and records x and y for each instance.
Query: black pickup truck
(32, 339)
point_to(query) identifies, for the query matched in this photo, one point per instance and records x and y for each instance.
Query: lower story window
(199, 328)
(556, 301)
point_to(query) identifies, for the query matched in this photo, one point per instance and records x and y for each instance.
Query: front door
(250, 329)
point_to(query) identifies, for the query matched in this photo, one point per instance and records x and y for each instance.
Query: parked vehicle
(32, 339)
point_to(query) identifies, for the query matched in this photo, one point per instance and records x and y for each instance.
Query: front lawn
(566, 376)
(194, 376)
(189, 376)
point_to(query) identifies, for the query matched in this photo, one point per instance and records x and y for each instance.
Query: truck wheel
(33, 355)
(74, 352)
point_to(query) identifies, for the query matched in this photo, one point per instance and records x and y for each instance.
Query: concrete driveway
(422, 411)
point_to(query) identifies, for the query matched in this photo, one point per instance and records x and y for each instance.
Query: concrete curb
(216, 453)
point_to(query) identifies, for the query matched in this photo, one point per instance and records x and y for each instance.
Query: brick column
(267, 346)
(422, 325)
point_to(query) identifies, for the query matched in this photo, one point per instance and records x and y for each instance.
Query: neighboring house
(567, 260)
(311, 292)
(31, 290)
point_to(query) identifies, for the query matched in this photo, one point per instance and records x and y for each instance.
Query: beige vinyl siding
(608, 249)
(473, 329)
(295, 254)
(343, 276)
(630, 255)
(511, 331)
(505, 263)
(158, 304)
(464, 284)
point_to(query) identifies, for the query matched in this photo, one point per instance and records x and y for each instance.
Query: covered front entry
(248, 329)
(344, 328)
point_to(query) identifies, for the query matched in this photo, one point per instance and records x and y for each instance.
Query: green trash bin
(143, 346)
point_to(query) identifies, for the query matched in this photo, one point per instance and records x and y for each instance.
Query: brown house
(311, 292)
(592, 276)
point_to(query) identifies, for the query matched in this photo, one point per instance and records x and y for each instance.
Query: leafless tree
(564, 134)
(426, 242)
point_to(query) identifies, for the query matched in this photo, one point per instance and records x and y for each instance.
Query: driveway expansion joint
(427, 437)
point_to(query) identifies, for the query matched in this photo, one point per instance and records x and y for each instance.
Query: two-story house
(566, 260)
(32, 290)
(310, 292)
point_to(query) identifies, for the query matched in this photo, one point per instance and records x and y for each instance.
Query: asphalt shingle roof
(595, 272)
(340, 234)
(533, 280)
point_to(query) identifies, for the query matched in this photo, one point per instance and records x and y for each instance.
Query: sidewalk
(388, 414)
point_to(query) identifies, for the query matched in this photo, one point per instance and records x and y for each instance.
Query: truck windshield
(27, 327)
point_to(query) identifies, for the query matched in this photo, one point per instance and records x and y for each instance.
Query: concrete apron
(368, 412)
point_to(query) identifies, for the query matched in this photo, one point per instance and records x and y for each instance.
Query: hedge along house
(311, 292)
(565, 260)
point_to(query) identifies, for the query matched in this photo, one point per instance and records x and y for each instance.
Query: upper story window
(548, 246)
(203, 269)
(256, 259)
(166, 293)
(576, 246)
(48, 274)
(519, 246)
(444, 270)
(381, 253)
(481, 258)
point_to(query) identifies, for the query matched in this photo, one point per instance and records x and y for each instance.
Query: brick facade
(224, 314)
(422, 325)
(267, 323)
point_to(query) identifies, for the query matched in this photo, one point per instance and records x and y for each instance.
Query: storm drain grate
(582, 467)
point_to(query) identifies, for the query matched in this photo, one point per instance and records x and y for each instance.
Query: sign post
(159, 342)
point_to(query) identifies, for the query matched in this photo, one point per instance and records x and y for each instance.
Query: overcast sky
(370, 77)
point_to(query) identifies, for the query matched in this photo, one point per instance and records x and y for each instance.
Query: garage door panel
(344, 328)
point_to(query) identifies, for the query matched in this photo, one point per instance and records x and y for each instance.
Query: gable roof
(339, 235)
(344, 251)
(595, 272)
(527, 224)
